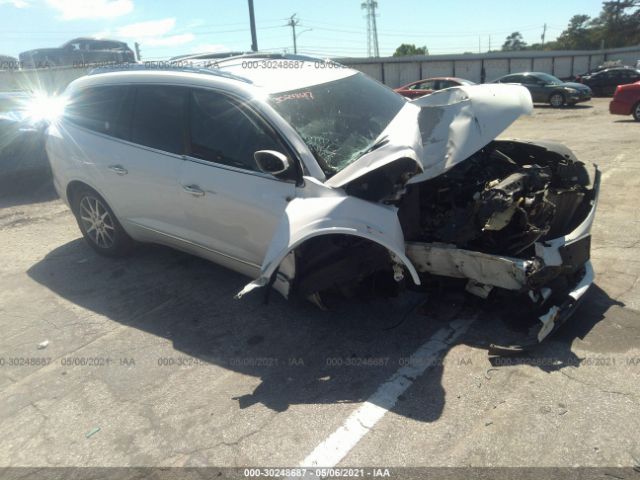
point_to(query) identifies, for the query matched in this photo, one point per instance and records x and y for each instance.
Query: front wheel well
(339, 262)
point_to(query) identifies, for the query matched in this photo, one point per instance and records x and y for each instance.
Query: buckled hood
(441, 130)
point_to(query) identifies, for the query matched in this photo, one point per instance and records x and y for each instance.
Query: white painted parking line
(337, 445)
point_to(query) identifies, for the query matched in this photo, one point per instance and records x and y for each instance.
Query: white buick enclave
(312, 177)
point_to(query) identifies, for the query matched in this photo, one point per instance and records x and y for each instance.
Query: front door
(231, 208)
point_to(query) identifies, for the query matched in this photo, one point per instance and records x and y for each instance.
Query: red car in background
(626, 101)
(430, 85)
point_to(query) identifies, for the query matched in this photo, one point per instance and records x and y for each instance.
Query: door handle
(119, 169)
(194, 190)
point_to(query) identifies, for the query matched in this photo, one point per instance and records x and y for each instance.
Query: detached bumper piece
(553, 319)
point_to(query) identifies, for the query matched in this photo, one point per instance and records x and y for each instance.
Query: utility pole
(489, 44)
(252, 21)
(372, 27)
(544, 34)
(293, 22)
(137, 45)
(479, 47)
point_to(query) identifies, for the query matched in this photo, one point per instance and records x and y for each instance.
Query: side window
(446, 84)
(158, 117)
(102, 109)
(224, 132)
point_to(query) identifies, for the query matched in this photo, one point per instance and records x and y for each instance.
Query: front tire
(556, 100)
(636, 112)
(99, 225)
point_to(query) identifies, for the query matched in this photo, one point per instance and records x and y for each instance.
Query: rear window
(105, 109)
(158, 117)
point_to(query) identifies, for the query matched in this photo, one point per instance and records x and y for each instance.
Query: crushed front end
(514, 217)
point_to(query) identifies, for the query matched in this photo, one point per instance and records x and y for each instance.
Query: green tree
(578, 35)
(618, 25)
(514, 42)
(410, 49)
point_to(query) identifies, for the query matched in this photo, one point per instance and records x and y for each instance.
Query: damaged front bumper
(568, 255)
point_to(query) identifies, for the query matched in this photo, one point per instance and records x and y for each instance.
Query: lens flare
(41, 107)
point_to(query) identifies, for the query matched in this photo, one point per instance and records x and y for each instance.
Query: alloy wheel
(97, 222)
(556, 100)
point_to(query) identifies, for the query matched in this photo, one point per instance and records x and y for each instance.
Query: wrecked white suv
(314, 178)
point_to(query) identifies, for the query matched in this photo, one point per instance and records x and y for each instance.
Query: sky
(326, 27)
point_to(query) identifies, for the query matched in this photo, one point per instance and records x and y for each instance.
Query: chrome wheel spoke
(107, 236)
(99, 239)
(97, 221)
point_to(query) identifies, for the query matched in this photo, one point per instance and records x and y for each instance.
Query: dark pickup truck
(78, 52)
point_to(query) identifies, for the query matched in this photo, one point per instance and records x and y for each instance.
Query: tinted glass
(102, 109)
(425, 85)
(533, 80)
(513, 79)
(158, 117)
(548, 79)
(224, 132)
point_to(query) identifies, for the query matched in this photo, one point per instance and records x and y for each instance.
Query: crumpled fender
(306, 218)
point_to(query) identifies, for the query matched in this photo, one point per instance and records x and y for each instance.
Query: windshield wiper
(370, 148)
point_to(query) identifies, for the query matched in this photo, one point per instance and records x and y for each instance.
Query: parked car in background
(545, 88)
(8, 63)
(79, 51)
(323, 181)
(626, 101)
(605, 81)
(22, 152)
(430, 85)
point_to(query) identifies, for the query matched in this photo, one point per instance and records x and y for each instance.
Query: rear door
(139, 169)
(538, 88)
(230, 207)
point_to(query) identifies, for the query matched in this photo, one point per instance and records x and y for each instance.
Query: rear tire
(636, 112)
(556, 100)
(99, 225)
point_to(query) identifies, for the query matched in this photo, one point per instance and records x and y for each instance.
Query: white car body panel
(238, 212)
(306, 218)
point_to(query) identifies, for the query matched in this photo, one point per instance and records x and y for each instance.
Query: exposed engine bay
(501, 200)
(436, 200)
(513, 219)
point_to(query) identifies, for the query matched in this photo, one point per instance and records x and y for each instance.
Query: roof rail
(164, 66)
(274, 56)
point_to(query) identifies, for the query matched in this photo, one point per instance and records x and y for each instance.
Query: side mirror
(272, 162)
